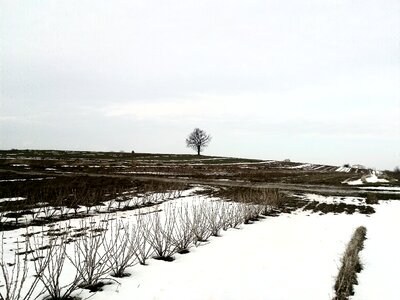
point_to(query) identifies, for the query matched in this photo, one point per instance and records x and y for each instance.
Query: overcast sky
(310, 80)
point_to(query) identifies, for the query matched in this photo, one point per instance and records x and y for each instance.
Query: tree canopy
(197, 140)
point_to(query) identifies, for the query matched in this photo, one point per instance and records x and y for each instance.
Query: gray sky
(313, 81)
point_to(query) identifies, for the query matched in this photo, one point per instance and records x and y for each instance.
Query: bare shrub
(257, 211)
(132, 202)
(139, 239)
(371, 198)
(49, 262)
(247, 213)
(72, 202)
(351, 265)
(235, 215)
(251, 212)
(147, 199)
(230, 215)
(14, 276)
(48, 211)
(183, 235)
(2, 219)
(175, 191)
(200, 227)
(269, 198)
(90, 259)
(120, 252)
(215, 215)
(158, 197)
(161, 235)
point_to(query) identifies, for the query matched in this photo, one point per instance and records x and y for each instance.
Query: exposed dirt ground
(75, 178)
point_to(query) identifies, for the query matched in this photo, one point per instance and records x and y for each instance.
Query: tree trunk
(198, 150)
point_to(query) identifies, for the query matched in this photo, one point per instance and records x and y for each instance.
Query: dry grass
(351, 265)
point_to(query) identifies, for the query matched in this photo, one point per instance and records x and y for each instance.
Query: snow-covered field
(292, 256)
(289, 257)
(371, 178)
(11, 199)
(333, 199)
(343, 169)
(380, 257)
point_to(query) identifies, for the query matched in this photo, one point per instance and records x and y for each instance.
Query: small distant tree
(198, 140)
(396, 173)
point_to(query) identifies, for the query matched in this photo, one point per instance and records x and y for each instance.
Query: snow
(293, 256)
(380, 257)
(371, 178)
(381, 188)
(354, 182)
(148, 173)
(289, 257)
(11, 199)
(24, 179)
(374, 179)
(319, 167)
(343, 169)
(233, 163)
(303, 166)
(333, 199)
(12, 180)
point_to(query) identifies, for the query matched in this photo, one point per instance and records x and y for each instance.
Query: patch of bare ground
(338, 208)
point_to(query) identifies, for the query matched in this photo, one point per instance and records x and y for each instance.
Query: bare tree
(198, 140)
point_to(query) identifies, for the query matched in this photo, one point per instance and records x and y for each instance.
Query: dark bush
(371, 198)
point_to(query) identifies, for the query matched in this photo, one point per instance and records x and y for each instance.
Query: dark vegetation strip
(89, 155)
(314, 188)
(285, 202)
(281, 201)
(351, 265)
(338, 208)
(64, 197)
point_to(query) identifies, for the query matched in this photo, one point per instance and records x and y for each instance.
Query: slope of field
(56, 163)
